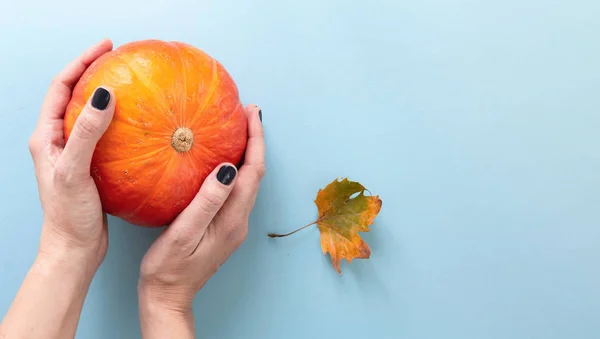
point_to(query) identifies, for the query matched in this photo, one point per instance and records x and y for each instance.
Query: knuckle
(236, 234)
(86, 127)
(261, 170)
(64, 175)
(55, 81)
(183, 239)
(241, 236)
(210, 202)
(56, 84)
(33, 145)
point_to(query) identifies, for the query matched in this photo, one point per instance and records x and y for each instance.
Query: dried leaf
(344, 210)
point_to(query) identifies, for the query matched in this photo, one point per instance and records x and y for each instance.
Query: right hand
(200, 240)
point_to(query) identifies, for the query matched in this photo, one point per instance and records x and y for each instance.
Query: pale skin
(74, 236)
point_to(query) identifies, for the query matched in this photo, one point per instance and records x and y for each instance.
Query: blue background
(477, 122)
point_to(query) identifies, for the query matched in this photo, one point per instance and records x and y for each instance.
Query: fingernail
(260, 114)
(226, 174)
(241, 163)
(100, 99)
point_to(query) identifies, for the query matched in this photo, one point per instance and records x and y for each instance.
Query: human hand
(74, 237)
(74, 225)
(200, 240)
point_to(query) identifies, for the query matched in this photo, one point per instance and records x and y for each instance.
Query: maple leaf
(344, 210)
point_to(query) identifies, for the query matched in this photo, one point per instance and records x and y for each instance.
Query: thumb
(89, 127)
(195, 218)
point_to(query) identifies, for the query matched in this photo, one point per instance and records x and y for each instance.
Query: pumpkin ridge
(144, 82)
(154, 189)
(206, 151)
(193, 158)
(183, 72)
(211, 91)
(202, 131)
(140, 157)
(117, 119)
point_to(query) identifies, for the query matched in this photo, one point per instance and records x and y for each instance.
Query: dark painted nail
(241, 163)
(226, 174)
(101, 99)
(260, 114)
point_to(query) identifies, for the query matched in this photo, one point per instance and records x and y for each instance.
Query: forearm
(159, 321)
(49, 302)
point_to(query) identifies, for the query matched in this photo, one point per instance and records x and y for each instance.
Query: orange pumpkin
(178, 115)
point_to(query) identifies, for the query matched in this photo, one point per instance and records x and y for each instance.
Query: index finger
(59, 93)
(255, 149)
(243, 196)
(252, 171)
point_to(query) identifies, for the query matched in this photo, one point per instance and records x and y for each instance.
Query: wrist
(49, 302)
(70, 264)
(153, 309)
(162, 317)
(59, 249)
(164, 299)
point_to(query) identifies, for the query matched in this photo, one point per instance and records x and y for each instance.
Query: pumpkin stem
(182, 139)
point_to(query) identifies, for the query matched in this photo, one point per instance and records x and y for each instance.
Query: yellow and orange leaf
(344, 210)
(342, 217)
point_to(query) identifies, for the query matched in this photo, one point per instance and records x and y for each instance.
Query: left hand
(74, 225)
(74, 236)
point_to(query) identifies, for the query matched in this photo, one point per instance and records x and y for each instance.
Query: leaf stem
(273, 235)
